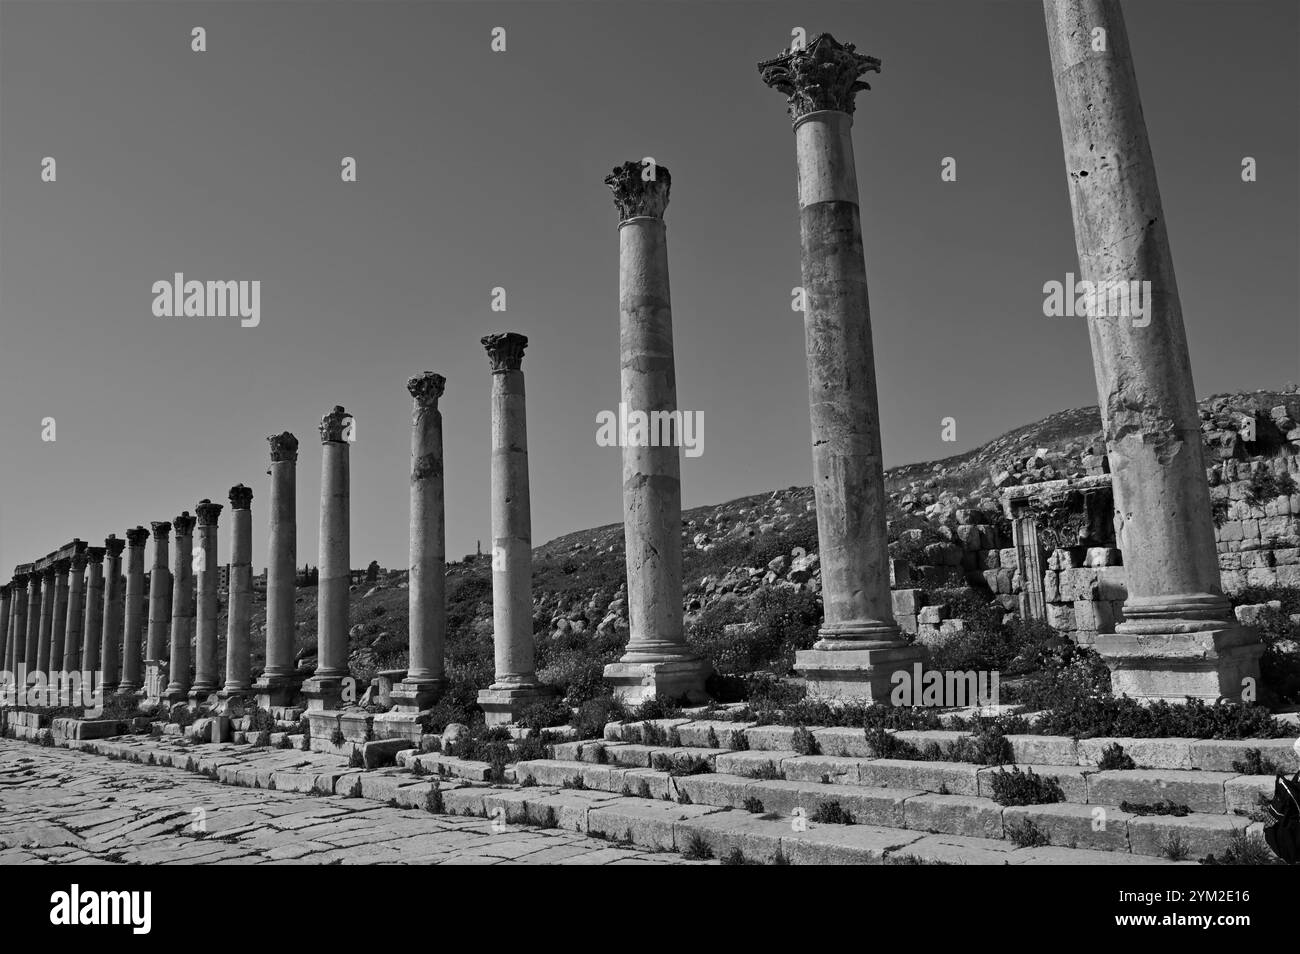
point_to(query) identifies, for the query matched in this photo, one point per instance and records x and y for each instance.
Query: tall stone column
(132, 676)
(428, 560)
(59, 623)
(178, 668)
(93, 626)
(516, 685)
(324, 689)
(49, 583)
(110, 649)
(33, 626)
(657, 662)
(205, 636)
(278, 683)
(160, 612)
(1180, 637)
(240, 609)
(860, 645)
(75, 613)
(6, 627)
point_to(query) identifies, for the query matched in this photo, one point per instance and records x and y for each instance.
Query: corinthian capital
(113, 546)
(333, 425)
(208, 512)
(426, 387)
(136, 536)
(184, 524)
(283, 447)
(505, 351)
(160, 529)
(823, 75)
(639, 189)
(241, 497)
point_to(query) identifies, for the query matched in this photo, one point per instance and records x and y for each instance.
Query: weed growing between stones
(1256, 763)
(575, 783)
(753, 805)
(831, 813)
(763, 772)
(1027, 835)
(356, 759)
(1174, 847)
(1114, 758)
(1025, 788)
(1244, 849)
(1162, 807)
(804, 742)
(697, 848)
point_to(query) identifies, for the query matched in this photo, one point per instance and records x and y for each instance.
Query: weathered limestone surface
(93, 621)
(205, 635)
(32, 626)
(160, 611)
(1179, 637)
(59, 624)
(860, 645)
(5, 626)
(178, 668)
(515, 685)
(49, 582)
(427, 584)
(132, 677)
(657, 662)
(323, 689)
(238, 679)
(110, 644)
(277, 683)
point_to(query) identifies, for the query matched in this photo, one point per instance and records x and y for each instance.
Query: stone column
(1179, 637)
(49, 583)
(205, 636)
(160, 612)
(6, 627)
(33, 625)
(860, 646)
(93, 626)
(428, 562)
(323, 690)
(178, 668)
(657, 662)
(110, 658)
(240, 609)
(59, 624)
(516, 685)
(75, 613)
(278, 682)
(132, 677)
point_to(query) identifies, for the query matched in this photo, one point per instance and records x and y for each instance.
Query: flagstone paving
(60, 807)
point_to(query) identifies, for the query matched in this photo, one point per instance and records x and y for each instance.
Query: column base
(323, 693)
(855, 675)
(1208, 664)
(669, 681)
(173, 695)
(416, 695)
(276, 691)
(399, 724)
(503, 705)
(155, 680)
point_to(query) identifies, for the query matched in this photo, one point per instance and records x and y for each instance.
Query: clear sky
(479, 169)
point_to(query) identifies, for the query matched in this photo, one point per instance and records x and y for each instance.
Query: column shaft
(182, 629)
(160, 611)
(110, 648)
(59, 624)
(134, 616)
(49, 584)
(205, 637)
(241, 592)
(32, 629)
(72, 629)
(93, 625)
(428, 557)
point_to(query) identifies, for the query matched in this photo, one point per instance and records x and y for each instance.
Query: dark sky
(481, 169)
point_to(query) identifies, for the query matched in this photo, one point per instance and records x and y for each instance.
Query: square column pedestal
(503, 705)
(671, 681)
(276, 691)
(323, 693)
(863, 676)
(1205, 664)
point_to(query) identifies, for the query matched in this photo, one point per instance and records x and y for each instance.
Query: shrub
(1256, 763)
(753, 805)
(1174, 847)
(1113, 757)
(1027, 835)
(804, 742)
(831, 813)
(1162, 807)
(1264, 485)
(987, 745)
(1017, 788)
(697, 848)
(356, 759)
(1244, 849)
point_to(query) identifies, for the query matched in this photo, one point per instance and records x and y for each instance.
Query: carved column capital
(635, 194)
(136, 536)
(823, 75)
(79, 559)
(160, 529)
(208, 512)
(95, 555)
(183, 524)
(62, 565)
(283, 447)
(505, 351)
(426, 387)
(113, 546)
(334, 425)
(241, 497)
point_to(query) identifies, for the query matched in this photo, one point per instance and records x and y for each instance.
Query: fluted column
(75, 614)
(276, 685)
(110, 649)
(335, 575)
(182, 630)
(134, 616)
(428, 558)
(205, 636)
(657, 663)
(515, 685)
(33, 626)
(1179, 637)
(860, 645)
(240, 609)
(92, 629)
(160, 611)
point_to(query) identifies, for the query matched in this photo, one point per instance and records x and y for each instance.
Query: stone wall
(1259, 541)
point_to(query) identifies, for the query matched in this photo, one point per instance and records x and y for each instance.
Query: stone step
(1210, 755)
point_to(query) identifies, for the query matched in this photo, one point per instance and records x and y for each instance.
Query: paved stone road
(64, 807)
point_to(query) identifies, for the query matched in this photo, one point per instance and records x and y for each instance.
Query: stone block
(953, 815)
(1198, 835)
(1068, 825)
(1199, 791)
